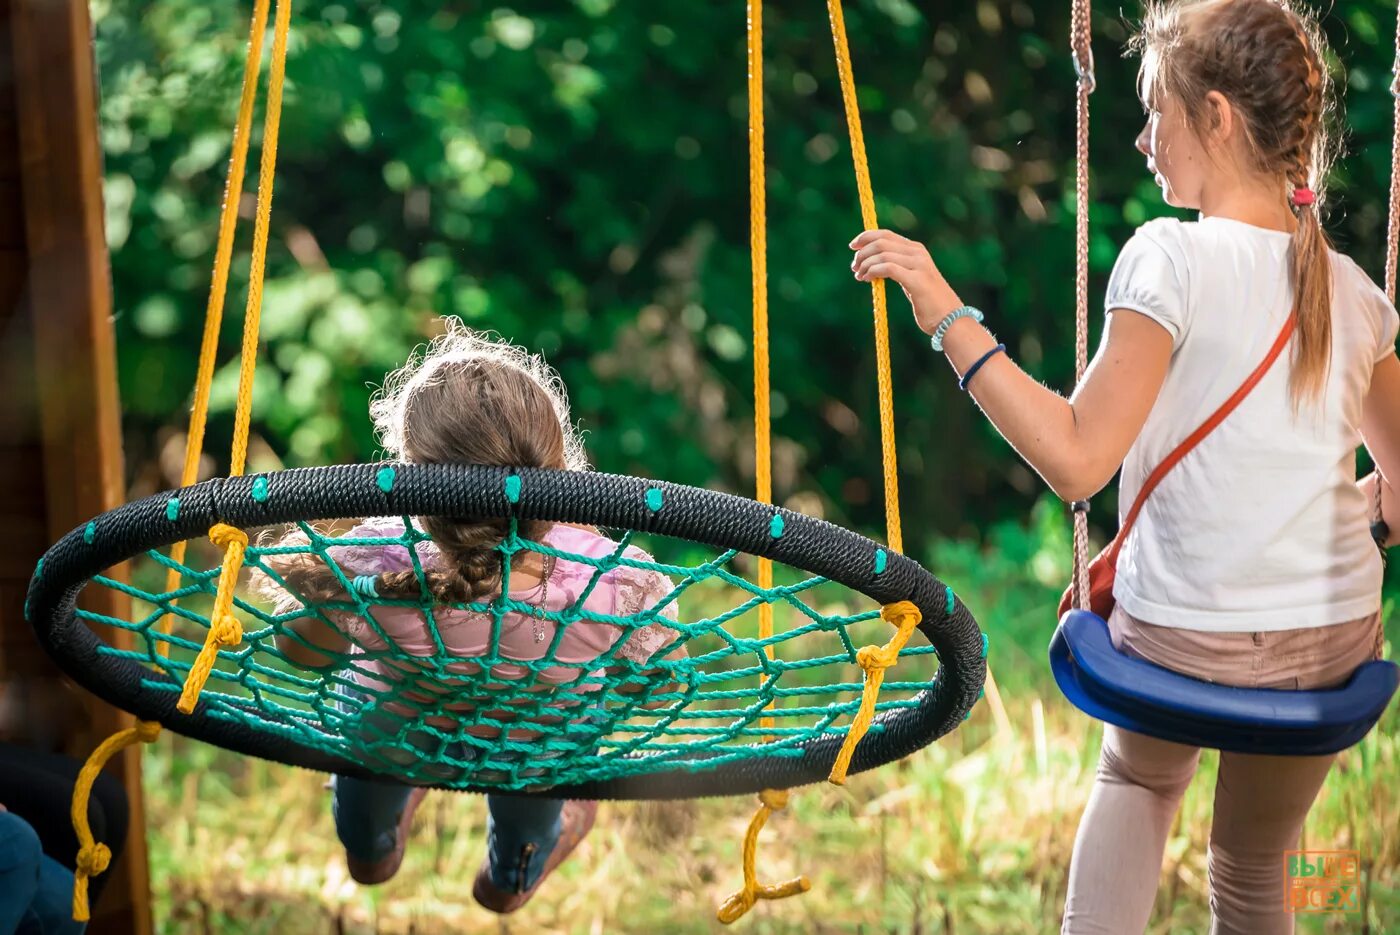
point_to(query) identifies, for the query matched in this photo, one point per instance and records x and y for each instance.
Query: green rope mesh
(616, 718)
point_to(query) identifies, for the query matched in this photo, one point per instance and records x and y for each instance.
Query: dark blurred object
(39, 713)
(38, 787)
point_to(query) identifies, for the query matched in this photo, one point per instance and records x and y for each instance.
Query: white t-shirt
(1261, 526)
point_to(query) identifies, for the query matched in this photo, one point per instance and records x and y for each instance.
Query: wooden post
(60, 457)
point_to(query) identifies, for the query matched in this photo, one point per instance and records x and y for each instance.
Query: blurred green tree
(573, 174)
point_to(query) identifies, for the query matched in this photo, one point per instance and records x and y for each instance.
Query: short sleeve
(1390, 329)
(1150, 278)
(639, 590)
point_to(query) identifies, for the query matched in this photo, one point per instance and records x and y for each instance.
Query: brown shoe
(575, 822)
(369, 873)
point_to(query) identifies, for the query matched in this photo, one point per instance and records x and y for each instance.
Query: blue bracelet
(972, 371)
(967, 311)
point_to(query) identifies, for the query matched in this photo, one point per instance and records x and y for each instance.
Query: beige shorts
(1317, 657)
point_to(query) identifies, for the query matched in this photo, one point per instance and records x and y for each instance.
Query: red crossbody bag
(1103, 569)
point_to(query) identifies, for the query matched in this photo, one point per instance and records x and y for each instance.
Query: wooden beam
(70, 304)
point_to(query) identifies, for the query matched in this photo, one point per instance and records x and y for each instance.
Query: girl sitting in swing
(471, 400)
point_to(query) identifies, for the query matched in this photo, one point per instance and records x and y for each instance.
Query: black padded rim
(718, 520)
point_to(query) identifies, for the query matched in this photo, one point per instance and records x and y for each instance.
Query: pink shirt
(622, 591)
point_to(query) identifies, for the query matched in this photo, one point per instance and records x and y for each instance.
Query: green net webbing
(427, 714)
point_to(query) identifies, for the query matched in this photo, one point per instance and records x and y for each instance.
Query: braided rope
(218, 285)
(1392, 240)
(1392, 235)
(737, 904)
(889, 455)
(1081, 43)
(770, 800)
(93, 856)
(224, 629)
(874, 660)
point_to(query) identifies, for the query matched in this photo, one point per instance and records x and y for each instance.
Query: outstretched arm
(1075, 444)
(1380, 428)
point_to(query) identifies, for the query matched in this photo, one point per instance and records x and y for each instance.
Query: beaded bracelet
(967, 311)
(972, 371)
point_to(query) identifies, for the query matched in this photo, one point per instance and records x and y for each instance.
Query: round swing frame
(714, 519)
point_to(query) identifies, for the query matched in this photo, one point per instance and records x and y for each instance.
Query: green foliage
(573, 175)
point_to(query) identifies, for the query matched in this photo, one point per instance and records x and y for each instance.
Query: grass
(971, 835)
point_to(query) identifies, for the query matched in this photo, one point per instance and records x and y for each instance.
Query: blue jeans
(36, 892)
(520, 832)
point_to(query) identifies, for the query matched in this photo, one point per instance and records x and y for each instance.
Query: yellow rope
(224, 628)
(889, 456)
(741, 902)
(272, 122)
(770, 800)
(904, 614)
(94, 857)
(218, 287)
(875, 660)
(758, 251)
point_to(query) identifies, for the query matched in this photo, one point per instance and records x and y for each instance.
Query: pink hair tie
(1302, 197)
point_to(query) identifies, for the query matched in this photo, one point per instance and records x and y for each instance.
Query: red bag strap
(1195, 437)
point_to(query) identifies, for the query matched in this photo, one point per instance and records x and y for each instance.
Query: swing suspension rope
(905, 617)
(1392, 238)
(94, 857)
(1081, 46)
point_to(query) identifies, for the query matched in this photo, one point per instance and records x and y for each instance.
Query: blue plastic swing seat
(1142, 697)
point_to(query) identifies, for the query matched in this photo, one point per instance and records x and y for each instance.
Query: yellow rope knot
(224, 535)
(874, 660)
(226, 631)
(224, 628)
(871, 658)
(737, 904)
(94, 859)
(147, 731)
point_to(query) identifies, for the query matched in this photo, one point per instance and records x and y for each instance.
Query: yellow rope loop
(775, 799)
(93, 856)
(224, 628)
(224, 535)
(737, 904)
(874, 660)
